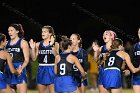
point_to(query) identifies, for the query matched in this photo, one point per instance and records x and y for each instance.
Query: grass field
(87, 91)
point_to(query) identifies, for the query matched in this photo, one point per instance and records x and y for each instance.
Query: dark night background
(66, 17)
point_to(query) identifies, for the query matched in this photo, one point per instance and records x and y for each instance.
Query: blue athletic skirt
(79, 81)
(112, 78)
(2, 81)
(100, 76)
(45, 75)
(65, 84)
(135, 80)
(15, 79)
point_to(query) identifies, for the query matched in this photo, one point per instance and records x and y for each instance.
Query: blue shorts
(15, 79)
(135, 80)
(45, 75)
(112, 79)
(65, 84)
(100, 76)
(3, 84)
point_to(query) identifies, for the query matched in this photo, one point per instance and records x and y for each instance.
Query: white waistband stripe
(46, 64)
(1, 72)
(112, 68)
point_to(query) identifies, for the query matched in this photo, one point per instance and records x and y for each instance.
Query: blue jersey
(17, 56)
(81, 54)
(101, 69)
(3, 83)
(45, 71)
(64, 68)
(64, 81)
(136, 53)
(113, 65)
(136, 63)
(2, 63)
(103, 52)
(113, 60)
(15, 51)
(45, 54)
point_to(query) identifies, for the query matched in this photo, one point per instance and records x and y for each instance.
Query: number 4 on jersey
(45, 59)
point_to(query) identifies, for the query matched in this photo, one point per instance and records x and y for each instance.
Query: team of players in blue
(65, 71)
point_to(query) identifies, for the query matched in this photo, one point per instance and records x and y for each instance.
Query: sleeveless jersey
(113, 60)
(64, 68)
(15, 51)
(136, 56)
(103, 52)
(82, 56)
(45, 54)
(2, 63)
(101, 69)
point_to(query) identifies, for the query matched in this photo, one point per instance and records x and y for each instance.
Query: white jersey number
(75, 68)
(111, 61)
(63, 69)
(45, 59)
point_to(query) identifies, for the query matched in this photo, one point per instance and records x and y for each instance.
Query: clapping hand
(32, 43)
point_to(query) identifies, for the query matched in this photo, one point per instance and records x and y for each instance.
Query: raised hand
(32, 43)
(95, 46)
(19, 70)
(52, 40)
(126, 72)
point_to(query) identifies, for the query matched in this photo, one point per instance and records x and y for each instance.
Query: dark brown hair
(2, 37)
(19, 28)
(65, 43)
(116, 42)
(51, 30)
